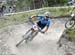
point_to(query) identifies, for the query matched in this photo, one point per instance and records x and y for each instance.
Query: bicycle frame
(30, 35)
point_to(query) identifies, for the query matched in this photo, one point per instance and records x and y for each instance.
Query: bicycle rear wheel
(25, 37)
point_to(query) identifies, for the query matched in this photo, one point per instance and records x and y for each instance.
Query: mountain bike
(71, 22)
(30, 34)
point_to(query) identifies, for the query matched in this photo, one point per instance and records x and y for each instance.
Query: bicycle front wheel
(19, 43)
(28, 35)
(69, 24)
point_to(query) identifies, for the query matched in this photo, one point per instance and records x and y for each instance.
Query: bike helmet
(47, 14)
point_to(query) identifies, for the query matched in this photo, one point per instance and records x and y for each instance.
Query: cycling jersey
(43, 22)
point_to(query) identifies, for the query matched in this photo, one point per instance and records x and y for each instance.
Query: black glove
(43, 32)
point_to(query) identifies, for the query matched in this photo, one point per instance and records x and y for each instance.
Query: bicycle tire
(69, 21)
(35, 33)
(28, 35)
(19, 43)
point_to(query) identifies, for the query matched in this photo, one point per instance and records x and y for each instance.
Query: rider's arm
(46, 29)
(47, 26)
(35, 16)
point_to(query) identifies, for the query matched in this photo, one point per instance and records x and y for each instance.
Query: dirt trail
(42, 44)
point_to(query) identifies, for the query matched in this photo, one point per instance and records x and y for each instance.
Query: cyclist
(44, 21)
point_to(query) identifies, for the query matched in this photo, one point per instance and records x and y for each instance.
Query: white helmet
(47, 13)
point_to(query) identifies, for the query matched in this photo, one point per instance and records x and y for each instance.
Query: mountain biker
(44, 21)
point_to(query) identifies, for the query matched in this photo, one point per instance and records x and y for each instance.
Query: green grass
(71, 34)
(21, 17)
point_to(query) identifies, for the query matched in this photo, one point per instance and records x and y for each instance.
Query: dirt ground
(42, 44)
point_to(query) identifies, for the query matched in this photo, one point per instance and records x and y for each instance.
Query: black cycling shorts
(41, 25)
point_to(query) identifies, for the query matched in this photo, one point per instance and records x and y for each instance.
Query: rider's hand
(33, 16)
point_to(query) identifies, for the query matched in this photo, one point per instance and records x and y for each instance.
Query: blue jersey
(44, 21)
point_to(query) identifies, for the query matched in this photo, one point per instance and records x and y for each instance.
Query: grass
(22, 17)
(71, 34)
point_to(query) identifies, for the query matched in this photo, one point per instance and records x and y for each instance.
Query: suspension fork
(34, 33)
(32, 30)
(29, 30)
